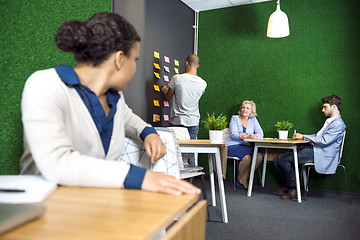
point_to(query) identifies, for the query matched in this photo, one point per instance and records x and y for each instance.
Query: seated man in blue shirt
(323, 149)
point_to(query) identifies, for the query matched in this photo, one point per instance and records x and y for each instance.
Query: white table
(274, 143)
(213, 149)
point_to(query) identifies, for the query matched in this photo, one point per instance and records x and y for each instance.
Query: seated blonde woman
(244, 126)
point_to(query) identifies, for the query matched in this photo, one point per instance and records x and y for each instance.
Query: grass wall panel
(26, 42)
(286, 77)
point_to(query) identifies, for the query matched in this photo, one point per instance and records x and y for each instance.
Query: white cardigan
(61, 138)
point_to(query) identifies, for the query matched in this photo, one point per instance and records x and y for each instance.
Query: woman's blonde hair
(253, 108)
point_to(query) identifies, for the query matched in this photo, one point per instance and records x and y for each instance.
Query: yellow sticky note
(157, 75)
(176, 70)
(156, 55)
(156, 66)
(156, 118)
(156, 103)
(156, 87)
(176, 62)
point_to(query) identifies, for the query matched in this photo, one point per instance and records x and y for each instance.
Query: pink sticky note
(166, 59)
(166, 103)
(166, 117)
(166, 78)
(167, 69)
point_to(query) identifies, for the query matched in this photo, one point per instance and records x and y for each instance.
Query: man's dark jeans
(284, 163)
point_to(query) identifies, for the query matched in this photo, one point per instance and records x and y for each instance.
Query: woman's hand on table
(243, 135)
(251, 136)
(162, 183)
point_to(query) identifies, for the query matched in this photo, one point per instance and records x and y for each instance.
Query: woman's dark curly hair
(96, 39)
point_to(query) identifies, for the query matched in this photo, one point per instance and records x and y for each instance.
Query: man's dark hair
(331, 100)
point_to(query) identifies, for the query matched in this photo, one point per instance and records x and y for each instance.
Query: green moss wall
(285, 77)
(26, 45)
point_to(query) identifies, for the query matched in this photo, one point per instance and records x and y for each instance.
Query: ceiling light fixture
(278, 25)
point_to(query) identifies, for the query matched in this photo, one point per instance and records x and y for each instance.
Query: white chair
(171, 163)
(236, 163)
(180, 132)
(183, 133)
(306, 171)
(135, 154)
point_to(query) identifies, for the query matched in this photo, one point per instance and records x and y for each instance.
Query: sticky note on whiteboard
(157, 66)
(166, 78)
(156, 118)
(166, 117)
(156, 55)
(156, 103)
(166, 69)
(157, 75)
(176, 62)
(166, 59)
(176, 70)
(166, 103)
(156, 88)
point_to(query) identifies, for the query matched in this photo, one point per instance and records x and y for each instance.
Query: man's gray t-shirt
(185, 102)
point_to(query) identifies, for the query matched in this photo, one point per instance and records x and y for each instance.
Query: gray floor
(324, 215)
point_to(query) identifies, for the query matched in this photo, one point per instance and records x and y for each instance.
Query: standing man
(323, 150)
(186, 90)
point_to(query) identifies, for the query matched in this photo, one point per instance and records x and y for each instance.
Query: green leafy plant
(283, 125)
(215, 123)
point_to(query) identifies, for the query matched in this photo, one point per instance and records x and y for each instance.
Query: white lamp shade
(278, 25)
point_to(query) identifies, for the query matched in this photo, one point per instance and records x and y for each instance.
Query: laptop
(15, 215)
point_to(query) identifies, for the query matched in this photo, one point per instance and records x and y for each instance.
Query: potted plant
(283, 128)
(216, 126)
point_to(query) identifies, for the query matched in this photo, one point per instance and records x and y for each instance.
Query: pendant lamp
(278, 25)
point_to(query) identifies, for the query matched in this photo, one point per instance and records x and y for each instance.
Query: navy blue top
(104, 124)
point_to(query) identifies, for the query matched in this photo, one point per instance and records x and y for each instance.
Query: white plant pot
(216, 136)
(283, 134)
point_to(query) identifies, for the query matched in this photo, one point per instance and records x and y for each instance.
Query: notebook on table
(15, 215)
(31, 189)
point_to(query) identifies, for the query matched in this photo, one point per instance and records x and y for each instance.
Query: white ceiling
(203, 5)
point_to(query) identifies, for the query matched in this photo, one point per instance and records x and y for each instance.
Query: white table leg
(264, 167)
(221, 185)
(212, 182)
(253, 163)
(304, 174)
(297, 174)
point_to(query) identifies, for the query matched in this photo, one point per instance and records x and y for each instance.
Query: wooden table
(213, 150)
(274, 143)
(94, 213)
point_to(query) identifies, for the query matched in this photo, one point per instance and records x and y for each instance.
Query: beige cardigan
(61, 138)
